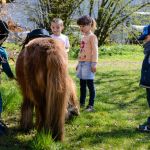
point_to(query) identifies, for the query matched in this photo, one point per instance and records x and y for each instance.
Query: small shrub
(119, 49)
(73, 53)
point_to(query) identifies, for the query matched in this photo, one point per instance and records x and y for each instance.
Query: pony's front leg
(26, 122)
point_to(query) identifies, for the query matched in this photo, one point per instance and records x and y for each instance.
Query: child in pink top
(57, 28)
(88, 58)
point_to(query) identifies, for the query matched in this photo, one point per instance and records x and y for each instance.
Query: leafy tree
(46, 10)
(111, 14)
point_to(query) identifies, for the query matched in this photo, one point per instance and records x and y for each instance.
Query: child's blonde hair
(58, 21)
(87, 20)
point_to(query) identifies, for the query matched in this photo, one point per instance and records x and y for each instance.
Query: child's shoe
(89, 108)
(146, 126)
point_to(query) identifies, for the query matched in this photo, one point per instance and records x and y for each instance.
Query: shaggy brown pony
(42, 74)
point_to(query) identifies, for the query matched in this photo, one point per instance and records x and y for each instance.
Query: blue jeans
(90, 85)
(0, 103)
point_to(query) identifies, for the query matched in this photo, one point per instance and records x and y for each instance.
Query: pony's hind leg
(26, 122)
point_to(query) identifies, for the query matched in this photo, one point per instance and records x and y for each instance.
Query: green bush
(73, 53)
(119, 49)
(106, 50)
(110, 50)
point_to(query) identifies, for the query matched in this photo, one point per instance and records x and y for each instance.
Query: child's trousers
(148, 96)
(0, 104)
(90, 85)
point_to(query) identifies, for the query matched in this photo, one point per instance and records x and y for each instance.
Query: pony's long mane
(41, 71)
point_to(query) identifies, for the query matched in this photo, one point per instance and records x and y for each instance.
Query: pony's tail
(56, 91)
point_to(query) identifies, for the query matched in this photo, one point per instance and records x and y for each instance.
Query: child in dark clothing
(145, 72)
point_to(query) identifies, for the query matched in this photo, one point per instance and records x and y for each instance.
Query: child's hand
(93, 68)
(3, 60)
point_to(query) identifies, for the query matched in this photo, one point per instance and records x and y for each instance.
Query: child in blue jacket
(5, 67)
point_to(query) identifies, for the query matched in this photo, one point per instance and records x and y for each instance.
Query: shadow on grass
(120, 88)
(18, 140)
(11, 141)
(98, 137)
(15, 139)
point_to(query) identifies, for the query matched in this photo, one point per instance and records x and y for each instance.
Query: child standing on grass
(88, 58)
(5, 65)
(145, 72)
(57, 27)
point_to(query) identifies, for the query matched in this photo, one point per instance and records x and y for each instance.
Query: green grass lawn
(120, 106)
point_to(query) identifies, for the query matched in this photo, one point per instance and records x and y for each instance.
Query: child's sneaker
(89, 108)
(146, 126)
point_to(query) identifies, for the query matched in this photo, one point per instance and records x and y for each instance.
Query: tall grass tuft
(43, 141)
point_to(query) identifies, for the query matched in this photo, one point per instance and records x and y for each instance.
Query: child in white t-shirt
(56, 28)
